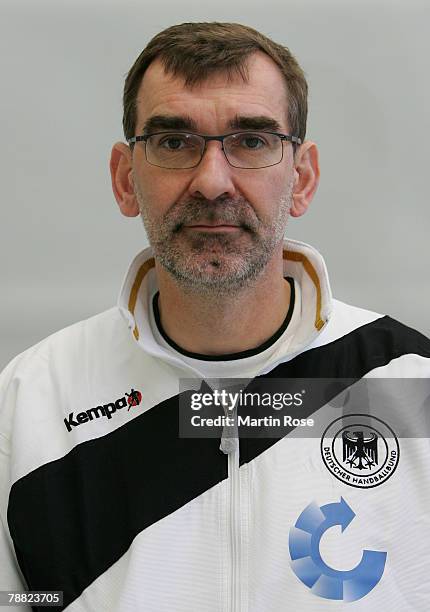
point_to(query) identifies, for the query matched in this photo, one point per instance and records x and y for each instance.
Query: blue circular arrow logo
(310, 568)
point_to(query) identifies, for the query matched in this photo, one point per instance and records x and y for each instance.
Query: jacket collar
(301, 261)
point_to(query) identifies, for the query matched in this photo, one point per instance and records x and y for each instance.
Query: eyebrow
(184, 122)
(258, 122)
(169, 122)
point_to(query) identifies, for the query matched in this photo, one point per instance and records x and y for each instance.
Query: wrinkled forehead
(219, 97)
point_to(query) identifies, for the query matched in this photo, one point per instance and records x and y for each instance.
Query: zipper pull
(230, 437)
(228, 445)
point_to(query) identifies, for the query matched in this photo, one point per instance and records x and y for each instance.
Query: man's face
(214, 227)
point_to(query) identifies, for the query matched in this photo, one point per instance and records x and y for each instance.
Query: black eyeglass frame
(295, 140)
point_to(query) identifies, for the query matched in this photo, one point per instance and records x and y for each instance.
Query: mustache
(222, 210)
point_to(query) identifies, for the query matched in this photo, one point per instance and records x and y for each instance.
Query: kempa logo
(133, 399)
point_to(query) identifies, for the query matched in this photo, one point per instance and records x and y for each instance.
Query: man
(115, 508)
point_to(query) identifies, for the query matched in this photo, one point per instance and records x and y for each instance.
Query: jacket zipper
(234, 529)
(230, 446)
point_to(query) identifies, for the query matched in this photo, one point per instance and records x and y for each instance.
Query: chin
(217, 274)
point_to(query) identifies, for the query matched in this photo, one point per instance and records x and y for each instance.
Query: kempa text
(106, 410)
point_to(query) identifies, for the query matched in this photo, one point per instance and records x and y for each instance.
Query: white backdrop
(65, 247)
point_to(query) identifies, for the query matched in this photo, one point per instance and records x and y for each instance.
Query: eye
(252, 141)
(173, 142)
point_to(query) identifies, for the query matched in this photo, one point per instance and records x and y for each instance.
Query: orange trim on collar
(143, 270)
(289, 255)
(299, 257)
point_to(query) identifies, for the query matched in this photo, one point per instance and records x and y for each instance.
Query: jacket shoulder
(386, 327)
(356, 342)
(71, 340)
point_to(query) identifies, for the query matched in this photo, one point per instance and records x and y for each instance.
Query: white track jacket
(102, 499)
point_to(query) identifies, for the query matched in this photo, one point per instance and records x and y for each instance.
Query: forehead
(215, 101)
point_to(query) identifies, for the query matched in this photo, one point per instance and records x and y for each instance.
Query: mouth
(206, 227)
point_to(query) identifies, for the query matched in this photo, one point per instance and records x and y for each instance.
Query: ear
(121, 170)
(307, 173)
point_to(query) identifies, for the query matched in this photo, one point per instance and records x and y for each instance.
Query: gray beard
(210, 264)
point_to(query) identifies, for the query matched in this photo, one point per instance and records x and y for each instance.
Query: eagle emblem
(360, 451)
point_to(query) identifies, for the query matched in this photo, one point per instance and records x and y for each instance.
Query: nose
(213, 177)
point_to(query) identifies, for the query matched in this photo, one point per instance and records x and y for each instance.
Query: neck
(217, 325)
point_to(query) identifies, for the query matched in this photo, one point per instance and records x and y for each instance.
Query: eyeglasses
(182, 150)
